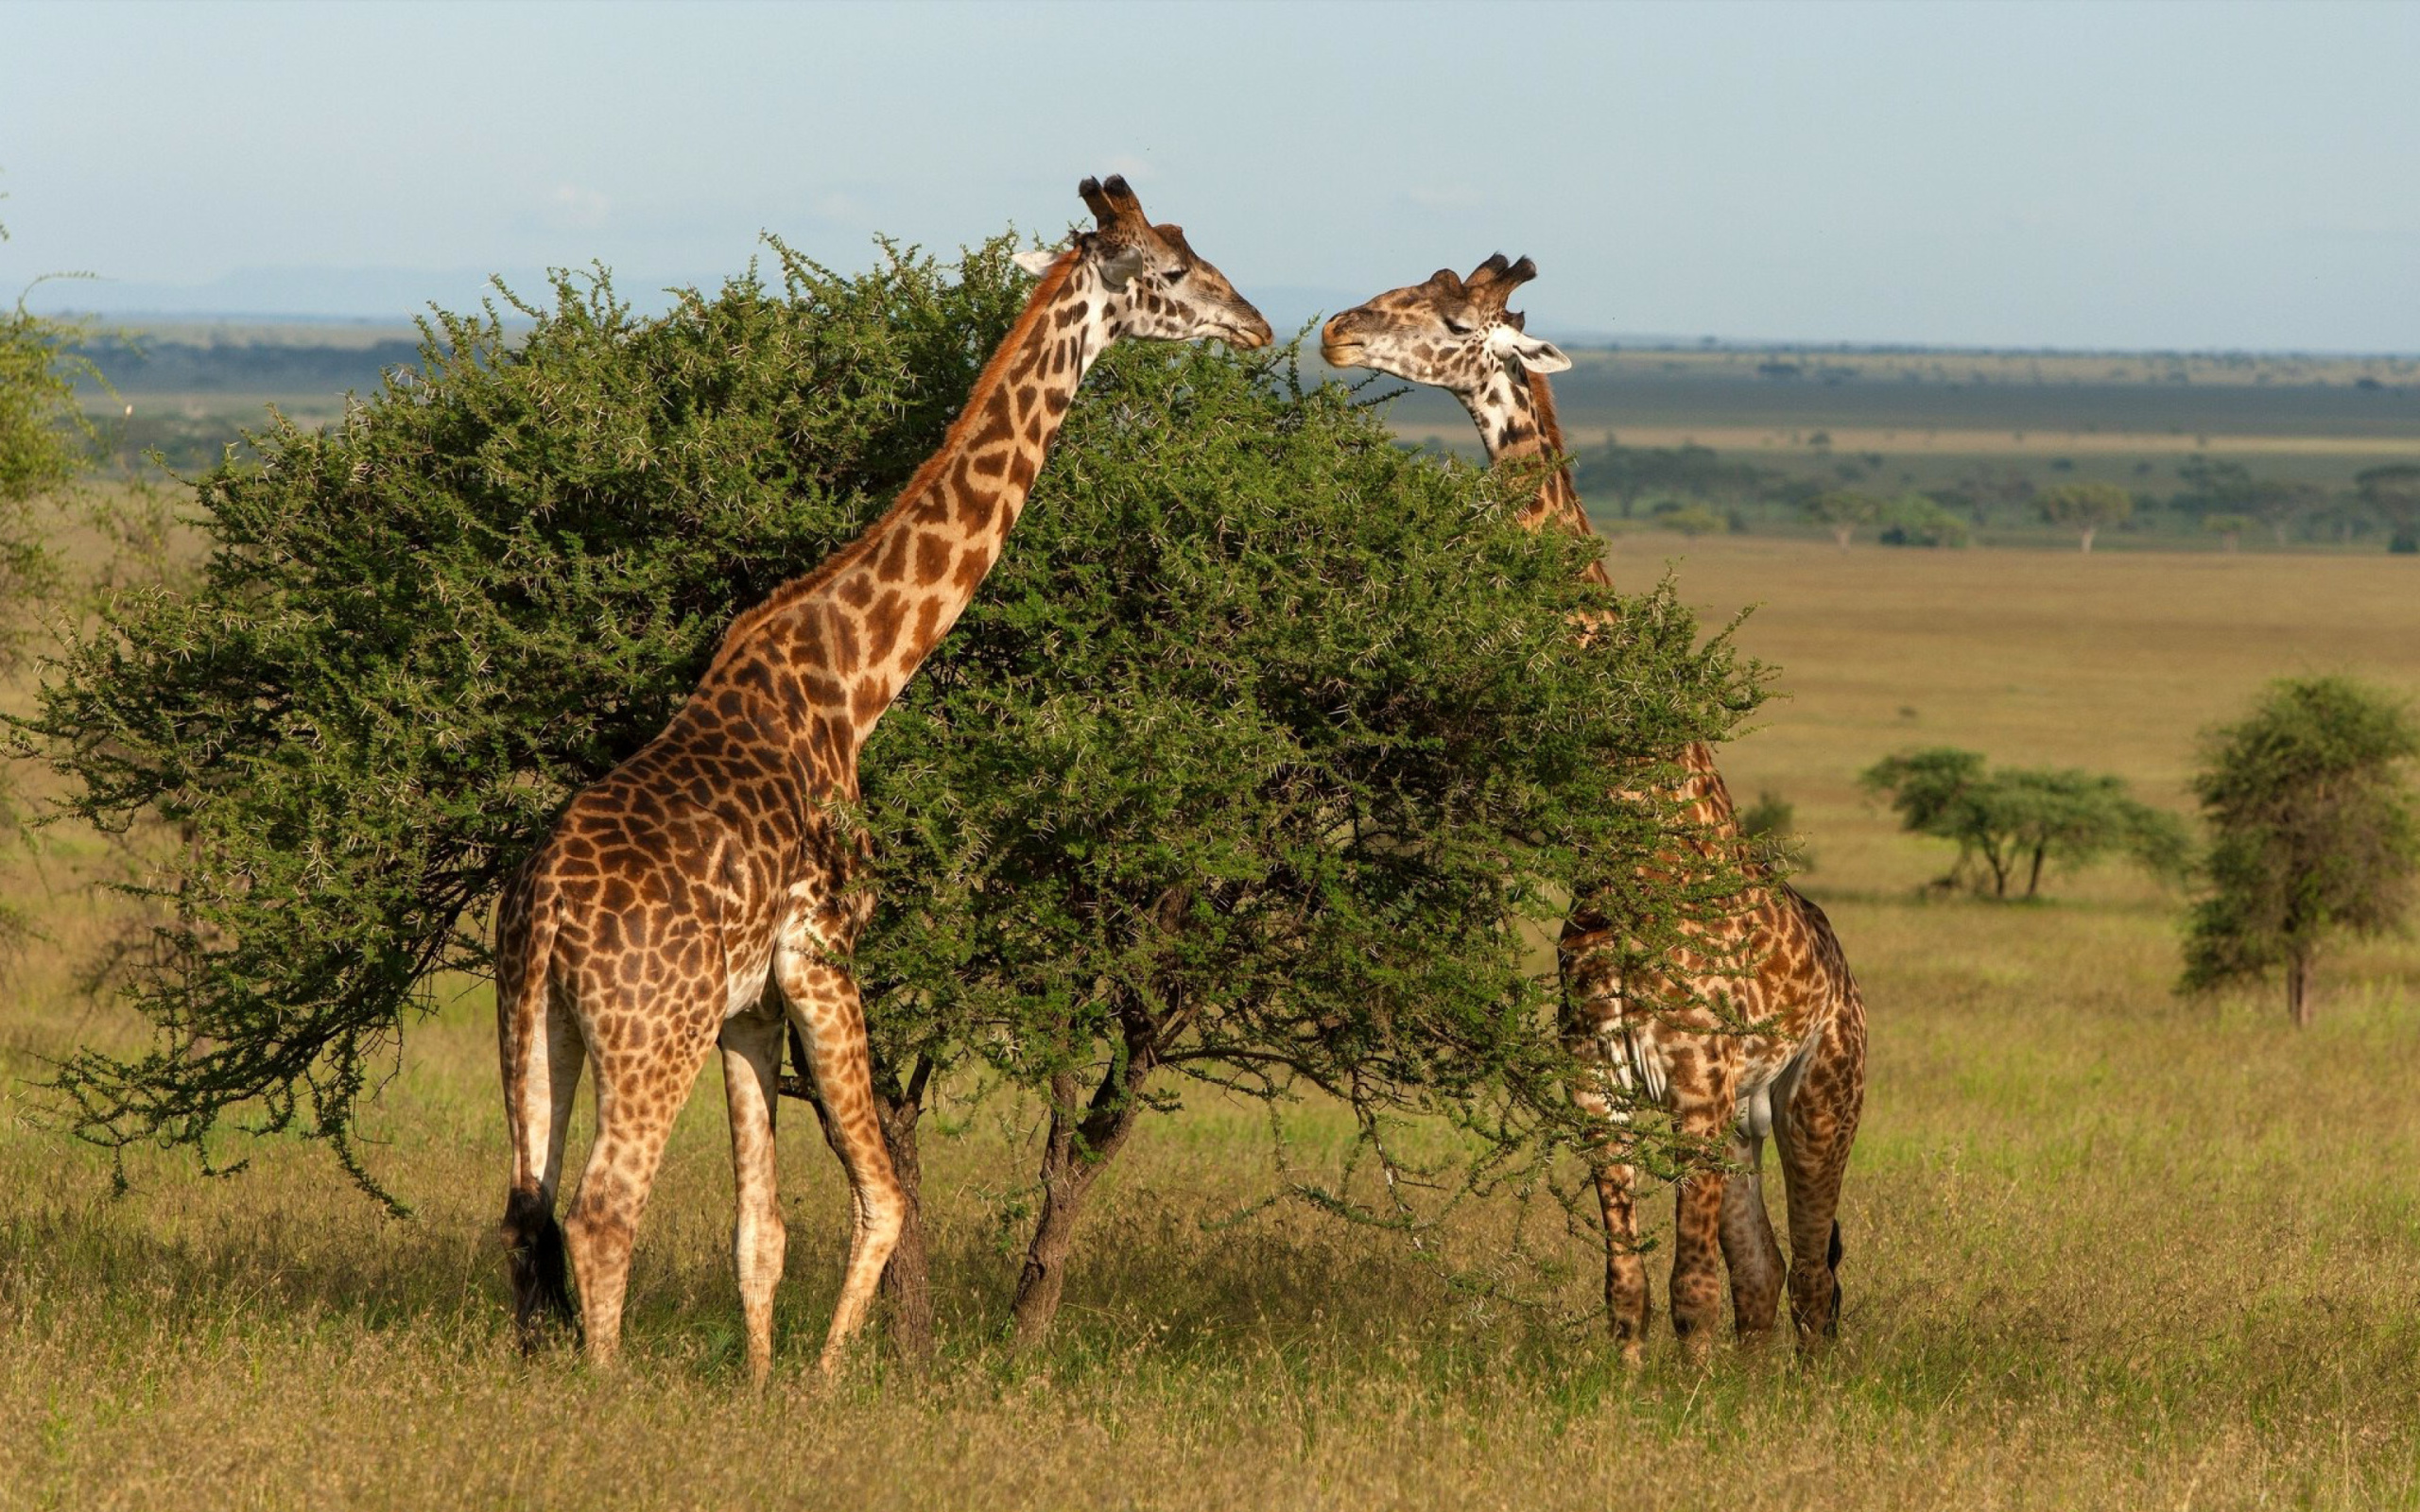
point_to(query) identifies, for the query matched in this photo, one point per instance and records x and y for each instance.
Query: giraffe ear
(1038, 261)
(1120, 266)
(1530, 353)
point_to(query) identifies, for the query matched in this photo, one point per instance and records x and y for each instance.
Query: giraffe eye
(1177, 276)
(1456, 327)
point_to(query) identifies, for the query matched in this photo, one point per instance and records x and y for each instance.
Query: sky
(2168, 176)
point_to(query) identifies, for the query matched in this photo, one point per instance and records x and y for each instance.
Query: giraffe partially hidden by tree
(647, 929)
(1798, 1072)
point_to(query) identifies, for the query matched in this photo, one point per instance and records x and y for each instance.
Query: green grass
(2105, 1248)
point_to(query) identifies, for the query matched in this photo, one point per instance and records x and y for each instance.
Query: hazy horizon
(2118, 177)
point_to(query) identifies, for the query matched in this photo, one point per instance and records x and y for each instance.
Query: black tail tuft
(533, 1242)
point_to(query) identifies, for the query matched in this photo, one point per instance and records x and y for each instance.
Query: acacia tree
(1840, 512)
(2314, 834)
(2279, 504)
(2086, 508)
(2017, 819)
(2393, 492)
(1246, 764)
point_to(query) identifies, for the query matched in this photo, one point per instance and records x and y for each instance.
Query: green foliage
(1771, 816)
(2314, 831)
(2086, 508)
(1919, 519)
(2393, 492)
(1840, 512)
(1248, 760)
(45, 443)
(2227, 527)
(1692, 519)
(2020, 817)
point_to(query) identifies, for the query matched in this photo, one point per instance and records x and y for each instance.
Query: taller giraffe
(1800, 1075)
(643, 932)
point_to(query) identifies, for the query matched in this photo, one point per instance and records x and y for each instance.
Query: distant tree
(2019, 819)
(2084, 507)
(1628, 473)
(1840, 512)
(1985, 487)
(2212, 487)
(1773, 822)
(1919, 519)
(2229, 528)
(2314, 834)
(2279, 504)
(1689, 519)
(2394, 493)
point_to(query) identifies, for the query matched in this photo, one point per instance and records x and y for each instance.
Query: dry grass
(2105, 1248)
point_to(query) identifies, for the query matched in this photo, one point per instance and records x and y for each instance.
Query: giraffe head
(1451, 331)
(1158, 287)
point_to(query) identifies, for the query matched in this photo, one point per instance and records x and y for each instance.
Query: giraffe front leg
(824, 1004)
(1703, 1108)
(752, 1059)
(1617, 1183)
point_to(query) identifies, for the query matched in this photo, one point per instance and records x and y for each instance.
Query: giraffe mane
(995, 374)
(1550, 428)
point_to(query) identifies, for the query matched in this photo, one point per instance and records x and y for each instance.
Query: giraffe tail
(531, 1050)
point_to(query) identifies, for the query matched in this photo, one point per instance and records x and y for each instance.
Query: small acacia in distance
(2086, 508)
(2020, 819)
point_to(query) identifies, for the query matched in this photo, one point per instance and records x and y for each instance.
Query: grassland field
(2105, 1247)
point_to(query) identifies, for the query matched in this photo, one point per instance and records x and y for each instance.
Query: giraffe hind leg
(1749, 1251)
(639, 1094)
(1816, 1132)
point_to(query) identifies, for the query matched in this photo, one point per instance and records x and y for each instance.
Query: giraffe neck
(1516, 421)
(852, 632)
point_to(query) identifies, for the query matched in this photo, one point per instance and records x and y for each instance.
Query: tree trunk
(2033, 879)
(2088, 533)
(1072, 1159)
(2300, 970)
(907, 1280)
(1999, 869)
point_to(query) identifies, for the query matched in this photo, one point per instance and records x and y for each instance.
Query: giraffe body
(1798, 1074)
(699, 894)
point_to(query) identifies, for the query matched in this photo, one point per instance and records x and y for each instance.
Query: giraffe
(671, 892)
(1799, 1074)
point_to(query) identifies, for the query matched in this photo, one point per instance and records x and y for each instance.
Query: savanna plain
(2106, 1246)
